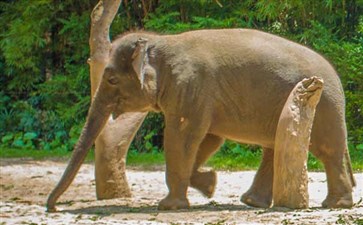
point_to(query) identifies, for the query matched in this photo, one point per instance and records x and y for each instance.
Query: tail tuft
(349, 168)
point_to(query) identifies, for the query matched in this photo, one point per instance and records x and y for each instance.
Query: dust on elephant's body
(213, 85)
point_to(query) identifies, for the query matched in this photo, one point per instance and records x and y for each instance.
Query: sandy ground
(24, 186)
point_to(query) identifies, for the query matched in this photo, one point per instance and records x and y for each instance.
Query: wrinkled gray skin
(213, 85)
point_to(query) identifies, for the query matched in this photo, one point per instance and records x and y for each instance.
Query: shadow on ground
(117, 209)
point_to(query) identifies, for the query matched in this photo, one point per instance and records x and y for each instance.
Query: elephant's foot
(345, 201)
(170, 203)
(255, 200)
(205, 182)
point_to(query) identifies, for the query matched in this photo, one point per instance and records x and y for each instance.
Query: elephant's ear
(140, 59)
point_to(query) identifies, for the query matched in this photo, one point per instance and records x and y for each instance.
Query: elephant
(213, 85)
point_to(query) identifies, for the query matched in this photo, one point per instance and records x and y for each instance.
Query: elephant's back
(248, 49)
(240, 54)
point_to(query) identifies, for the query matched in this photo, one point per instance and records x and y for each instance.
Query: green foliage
(145, 160)
(234, 156)
(346, 55)
(24, 36)
(44, 47)
(149, 138)
(45, 86)
(356, 155)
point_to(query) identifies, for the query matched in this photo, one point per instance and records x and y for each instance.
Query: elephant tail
(348, 166)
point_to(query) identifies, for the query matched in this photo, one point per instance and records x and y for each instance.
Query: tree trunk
(113, 142)
(110, 155)
(290, 184)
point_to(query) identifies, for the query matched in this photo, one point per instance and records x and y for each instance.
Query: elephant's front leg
(182, 138)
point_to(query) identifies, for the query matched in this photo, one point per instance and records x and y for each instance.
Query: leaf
(45, 146)
(237, 149)
(18, 143)
(148, 145)
(7, 138)
(149, 135)
(359, 147)
(30, 136)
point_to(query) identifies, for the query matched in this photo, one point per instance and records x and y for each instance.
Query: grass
(145, 160)
(356, 156)
(251, 161)
(242, 160)
(59, 155)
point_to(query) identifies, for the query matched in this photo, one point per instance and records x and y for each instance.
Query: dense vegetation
(44, 79)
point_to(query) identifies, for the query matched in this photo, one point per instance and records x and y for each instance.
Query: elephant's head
(129, 77)
(128, 84)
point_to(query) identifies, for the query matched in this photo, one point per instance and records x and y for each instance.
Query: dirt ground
(24, 186)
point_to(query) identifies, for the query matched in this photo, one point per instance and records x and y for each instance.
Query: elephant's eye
(112, 80)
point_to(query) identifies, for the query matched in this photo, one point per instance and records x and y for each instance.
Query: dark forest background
(44, 77)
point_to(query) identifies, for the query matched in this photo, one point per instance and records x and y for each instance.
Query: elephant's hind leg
(260, 193)
(205, 181)
(339, 184)
(339, 187)
(329, 144)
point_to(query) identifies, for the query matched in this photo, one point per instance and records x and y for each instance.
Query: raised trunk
(96, 119)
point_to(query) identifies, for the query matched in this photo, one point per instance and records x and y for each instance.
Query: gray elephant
(213, 85)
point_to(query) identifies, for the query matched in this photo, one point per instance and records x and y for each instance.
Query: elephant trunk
(97, 117)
